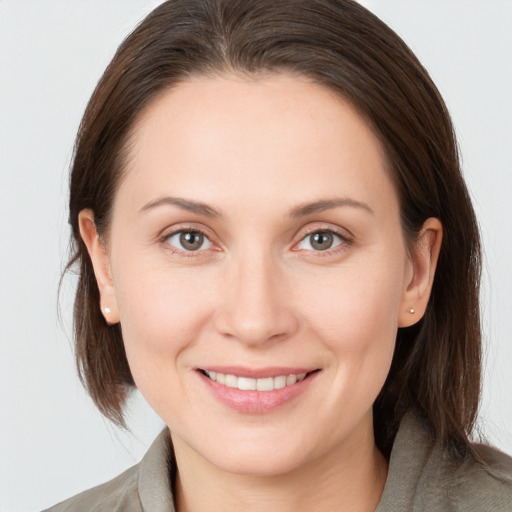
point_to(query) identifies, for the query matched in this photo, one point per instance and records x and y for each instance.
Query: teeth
(291, 379)
(265, 384)
(231, 381)
(279, 382)
(249, 384)
(246, 384)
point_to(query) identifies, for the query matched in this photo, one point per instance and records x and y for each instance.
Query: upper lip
(258, 373)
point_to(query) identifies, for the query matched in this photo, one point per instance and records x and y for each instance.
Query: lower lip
(257, 402)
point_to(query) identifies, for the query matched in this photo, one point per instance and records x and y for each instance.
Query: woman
(261, 196)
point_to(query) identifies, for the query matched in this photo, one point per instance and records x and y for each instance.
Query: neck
(348, 478)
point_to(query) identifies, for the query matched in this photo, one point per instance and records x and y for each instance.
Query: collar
(412, 448)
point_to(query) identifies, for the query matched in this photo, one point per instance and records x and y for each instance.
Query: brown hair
(337, 43)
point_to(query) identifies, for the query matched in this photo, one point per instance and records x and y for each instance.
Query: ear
(101, 264)
(425, 254)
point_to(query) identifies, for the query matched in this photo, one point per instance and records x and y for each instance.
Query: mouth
(257, 391)
(265, 384)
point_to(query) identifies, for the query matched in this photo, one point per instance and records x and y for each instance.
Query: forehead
(246, 137)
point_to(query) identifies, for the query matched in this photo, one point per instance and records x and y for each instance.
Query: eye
(189, 241)
(320, 241)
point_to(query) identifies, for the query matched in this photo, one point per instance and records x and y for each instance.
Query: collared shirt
(421, 478)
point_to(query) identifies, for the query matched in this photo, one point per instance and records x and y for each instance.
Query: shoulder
(484, 484)
(119, 494)
(425, 477)
(145, 486)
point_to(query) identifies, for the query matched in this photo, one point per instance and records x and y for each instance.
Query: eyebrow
(299, 211)
(328, 204)
(185, 204)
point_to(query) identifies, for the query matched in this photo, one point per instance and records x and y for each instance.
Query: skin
(257, 293)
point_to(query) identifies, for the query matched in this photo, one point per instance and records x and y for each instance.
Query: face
(257, 265)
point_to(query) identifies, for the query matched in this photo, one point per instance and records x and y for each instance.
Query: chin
(258, 463)
(273, 454)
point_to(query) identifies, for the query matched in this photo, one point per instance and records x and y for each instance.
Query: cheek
(355, 308)
(161, 315)
(355, 314)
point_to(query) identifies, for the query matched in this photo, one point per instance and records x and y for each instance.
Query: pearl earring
(412, 311)
(107, 310)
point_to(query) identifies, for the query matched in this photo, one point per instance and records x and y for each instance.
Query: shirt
(422, 477)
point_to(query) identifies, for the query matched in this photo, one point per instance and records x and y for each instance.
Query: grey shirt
(421, 477)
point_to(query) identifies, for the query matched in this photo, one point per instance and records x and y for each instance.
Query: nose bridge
(254, 307)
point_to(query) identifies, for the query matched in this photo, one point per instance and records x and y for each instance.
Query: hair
(337, 43)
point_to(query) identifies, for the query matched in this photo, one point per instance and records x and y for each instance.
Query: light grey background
(53, 443)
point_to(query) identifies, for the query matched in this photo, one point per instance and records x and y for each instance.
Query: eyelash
(345, 241)
(181, 252)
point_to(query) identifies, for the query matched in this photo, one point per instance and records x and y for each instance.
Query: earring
(412, 311)
(107, 310)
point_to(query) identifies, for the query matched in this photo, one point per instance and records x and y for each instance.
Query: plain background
(53, 443)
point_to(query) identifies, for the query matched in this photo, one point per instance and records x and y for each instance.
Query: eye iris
(191, 240)
(321, 241)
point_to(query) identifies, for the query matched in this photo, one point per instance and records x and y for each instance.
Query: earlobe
(424, 257)
(101, 265)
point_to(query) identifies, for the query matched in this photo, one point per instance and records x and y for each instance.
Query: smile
(251, 384)
(252, 391)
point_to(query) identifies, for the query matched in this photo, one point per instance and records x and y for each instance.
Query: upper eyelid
(166, 233)
(172, 230)
(343, 233)
(332, 231)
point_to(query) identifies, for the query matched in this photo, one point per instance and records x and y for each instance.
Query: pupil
(191, 241)
(322, 241)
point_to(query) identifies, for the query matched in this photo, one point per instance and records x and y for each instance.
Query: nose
(255, 306)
